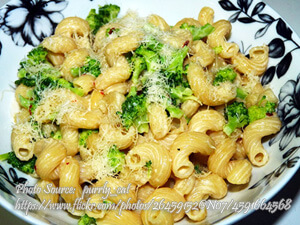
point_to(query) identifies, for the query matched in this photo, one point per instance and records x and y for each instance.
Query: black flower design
(289, 113)
(12, 178)
(0, 47)
(242, 14)
(277, 49)
(30, 21)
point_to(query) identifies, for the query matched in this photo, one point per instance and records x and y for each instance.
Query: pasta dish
(151, 111)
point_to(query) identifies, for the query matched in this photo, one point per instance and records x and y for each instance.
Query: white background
(290, 11)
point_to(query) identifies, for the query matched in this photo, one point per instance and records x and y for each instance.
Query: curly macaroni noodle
(183, 146)
(253, 134)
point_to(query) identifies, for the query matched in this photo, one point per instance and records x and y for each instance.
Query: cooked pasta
(169, 195)
(183, 146)
(210, 185)
(144, 109)
(253, 134)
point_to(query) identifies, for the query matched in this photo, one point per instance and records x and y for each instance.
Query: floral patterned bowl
(24, 24)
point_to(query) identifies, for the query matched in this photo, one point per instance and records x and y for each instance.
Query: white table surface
(290, 11)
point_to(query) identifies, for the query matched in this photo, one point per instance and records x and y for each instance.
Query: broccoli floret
(83, 136)
(4, 157)
(218, 49)
(175, 70)
(241, 93)
(270, 107)
(237, 117)
(104, 15)
(198, 32)
(134, 112)
(29, 82)
(260, 111)
(226, 74)
(52, 81)
(86, 220)
(24, 166)
(37, 72)
(138, 66)
(91, 66)
(107, 202)
(153, 44)
(150, 50)
(116, 159)
(151, 58)
(174, 111)
(148, 165)
(28, 104)
(56, 135)
(35, 69)
(44, 83)
(35, 57)
(68, 85)
(180, 94)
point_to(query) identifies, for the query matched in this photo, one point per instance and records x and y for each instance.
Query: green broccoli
(108, 204)
(91, 66)
(56, 135)
(138, 64)
(174, 111)
(31, 102)
(24, 166)
(35, 60)
(36, 71)
(260, 111)
(165, 64)
(153, 44)
(150, 50)
(152, 59)
(28, 104)
(86, 220)
(83, 136)
(237, 117)
(198, 32)
(134, 112)
(241, 93)
(223, 75)
(29, 82)
(172, 68)
(46, 81)
(218, 49)
(116, 159)
(35, 57)
(148, 165)
(104, 15)
(180, 94)
(68, 85)
(175, 70)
